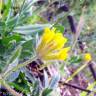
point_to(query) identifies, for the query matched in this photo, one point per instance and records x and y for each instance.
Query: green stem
(6, 74)
(76, 72)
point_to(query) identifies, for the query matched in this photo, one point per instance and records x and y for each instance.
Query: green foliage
(46, 92)
(21, 84)
(21, 25)
(75, 59)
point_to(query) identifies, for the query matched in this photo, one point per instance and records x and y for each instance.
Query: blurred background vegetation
(21, 25)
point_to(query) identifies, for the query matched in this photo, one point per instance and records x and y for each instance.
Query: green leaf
(15, 54)
(6, 11)
(13, 76)
(9, 39)
(27, 49)
(29, 29)
(21, 84)
(59, 28)
(36, 90)
(29, 4)
(12, 62)
(46, 92)
(54, 81)
(75, 59)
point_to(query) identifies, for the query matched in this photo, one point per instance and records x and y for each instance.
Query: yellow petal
(57, 43)
(63, 54)
(60, 40)
(48, 35)
(88, 57)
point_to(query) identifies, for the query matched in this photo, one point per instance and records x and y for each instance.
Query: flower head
(88, 57)
(51, 46)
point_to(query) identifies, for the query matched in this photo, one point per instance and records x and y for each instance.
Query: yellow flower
(51, 46)
(88, 57)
